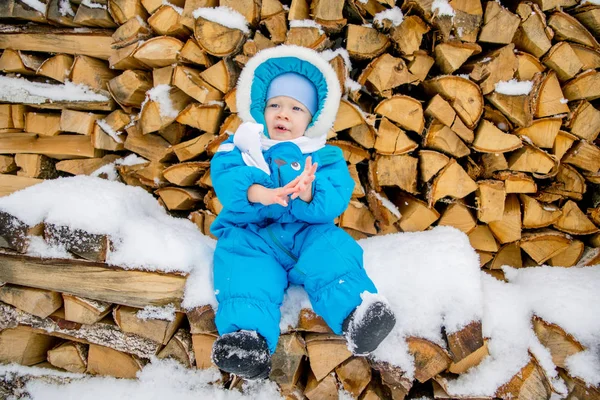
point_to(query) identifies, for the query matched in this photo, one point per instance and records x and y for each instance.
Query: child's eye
(296, 108)
(274, 105)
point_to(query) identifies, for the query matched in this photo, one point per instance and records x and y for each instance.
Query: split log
(217, 39)
(83, 310)
(516, 182)
(450, 56)
(192, 148)
(38, 302)
(509, 254)
(70, 356)
(573, 220)
(518, 109)
(155, 115)
(312, 37)
(440, 137)
(543, 245)
(590, 58)
(91, 42)
(78, 121)
(411, 115)
(548, 97)
(354, 374)
(22, 346)
(7, 164)
(536, 215)
(566, 27)
(93, 17)
(481, 239)
(464, 96)
(458, 215)
(532, 159)
(35, 166)
(328, 14)
(583, 86)
(42, 123)
(308, 321)
(430, 359)
(88, 279)
(167, 21)
(150, 146)
(386, 73)
(567, 183)
(508, 229)
(408, 36)
(416, 214)
(190, 82)
(498, 65)
(489, 139)
(125, 10)
(129, 89)
(528, 66)
(325, 388)
(530, 380)
(152, 5)
(202, 345)
(359, 218)
(351, 152)
(325, 352)
(584, 121)
(364, 134)
(61, 146)
(562, 59)
(288, 360)
(583, 155)
(176, 198)
(400, 171)
(490, 197)
(131, 32)
(180, 348)
(532, 35)
(365, 43)
(451, 181)
(11, 183)
(570, 256)
(91, 72)
(349, 115)
(430, 163)
(17, 62)
(130, 320)
(109, 362)
(187, 173)
(158, 52)
(499, 24)
(93, 247)
(14, 233)
(393, 378)
(206, 117)
(541, 132)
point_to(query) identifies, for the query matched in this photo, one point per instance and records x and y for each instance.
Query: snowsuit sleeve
(231, 178)
(332, 189)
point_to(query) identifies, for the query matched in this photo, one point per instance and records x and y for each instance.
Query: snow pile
(443, 8)
(178, 10)
(144, 236)
(159, 380)
(514, 87)
(329, 55)
(160, 94)
(306, 23)
(224, 16)
(65, 9)
(166, 313)
(431, 280)
(388, 204)
(36, 5)
(19, 90)
(393, 14)
(91, 4)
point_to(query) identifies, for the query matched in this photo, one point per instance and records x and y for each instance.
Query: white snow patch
(109, 130)
(91, 4)
(306, 23)
(352, 85)
(394, 14)
(110, 171)
(178, 10)
(166, 313)
(294, 300)
(388, 204)
(65, 8)
(564, 101)
(19, 90)
(329, 55)
(38, 247)
(223, 15)
(514, 87)
(160, 95)
(443, 8)
(36, 5)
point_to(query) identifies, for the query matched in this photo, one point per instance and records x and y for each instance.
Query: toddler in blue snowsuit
(281, 187)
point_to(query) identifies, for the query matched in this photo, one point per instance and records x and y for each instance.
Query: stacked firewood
(430, 134)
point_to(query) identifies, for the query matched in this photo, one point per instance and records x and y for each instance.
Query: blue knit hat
(297, 87)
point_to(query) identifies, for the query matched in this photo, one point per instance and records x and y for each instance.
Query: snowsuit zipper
(276, 241)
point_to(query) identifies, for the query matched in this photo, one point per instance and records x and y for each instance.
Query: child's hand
(303, 183)
(267, 197)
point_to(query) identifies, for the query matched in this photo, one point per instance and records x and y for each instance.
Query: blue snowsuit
(262, 249)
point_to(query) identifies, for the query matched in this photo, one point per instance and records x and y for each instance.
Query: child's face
(286, 118)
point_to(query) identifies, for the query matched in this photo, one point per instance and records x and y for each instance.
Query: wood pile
(427, 137)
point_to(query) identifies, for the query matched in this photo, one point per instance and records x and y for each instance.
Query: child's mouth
(281, 128)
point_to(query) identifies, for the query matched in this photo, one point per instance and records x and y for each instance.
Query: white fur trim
(326, 119)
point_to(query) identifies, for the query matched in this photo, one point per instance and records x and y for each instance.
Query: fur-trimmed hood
(269, 63)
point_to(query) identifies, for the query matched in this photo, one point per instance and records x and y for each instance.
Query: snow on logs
(473, 115)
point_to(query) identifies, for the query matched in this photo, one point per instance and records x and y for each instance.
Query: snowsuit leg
(331, 269)
(249, 285)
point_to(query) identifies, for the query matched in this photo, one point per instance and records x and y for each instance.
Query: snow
(166, 313)
(306, 23)
(65, 9)
(514, 87)
(109, 130)
(329, 55)
(393, 14)
(19, 90)
(160, 95)
(159, 380)
(178, 10)
(36, 5)
(431, 280)
(387, 204)
(144, 236)
(91, 4)
(223, 15)
(352, 85)
(595, 2)
(110, 171)
(443, 8)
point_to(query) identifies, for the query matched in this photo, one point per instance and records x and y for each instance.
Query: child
(281, 188)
